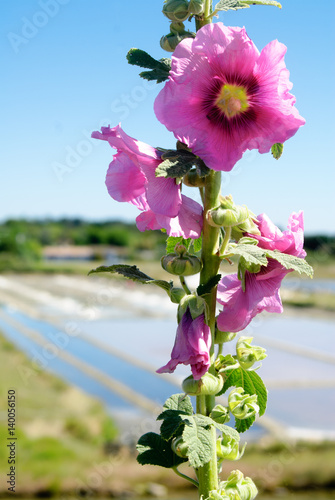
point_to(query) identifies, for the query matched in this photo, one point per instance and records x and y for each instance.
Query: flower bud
(179, 447)
(227, 217)
(177, 34)
(196, 7)
(208, 385)
(220, 414)
(239, 487)
(227, 448)
(248, 354)
(193, 179)
(181, 262)
(176, 10)
(224, 363)
(222, 337)
(176, 294)
(196, 305)
(241, 404)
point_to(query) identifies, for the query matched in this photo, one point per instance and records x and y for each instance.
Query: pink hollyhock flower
(224, 97)
(191, 347)
(131, 178)
(262, 288)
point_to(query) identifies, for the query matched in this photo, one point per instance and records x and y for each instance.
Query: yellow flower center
(232, 100)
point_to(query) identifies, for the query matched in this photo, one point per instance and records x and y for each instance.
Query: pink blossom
(262, 288)
(224, 97)
(192, 345)
(131, 178)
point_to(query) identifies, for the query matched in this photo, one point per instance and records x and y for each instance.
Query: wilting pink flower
(191, 347)
(224, 97)
(131, 178)
(262, 288)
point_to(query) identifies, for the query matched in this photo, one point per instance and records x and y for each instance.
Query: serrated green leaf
(291, 262)
(180, 402)
(176, 165)
(252, 383)
(154, 450)
(231, 5)
(251, 254)
(172, 420)
(197, 244)
(207, 287)
(197, 435)
(271, 3)
(160, 69)
(243, 4)
(277, 150)
(134, 274)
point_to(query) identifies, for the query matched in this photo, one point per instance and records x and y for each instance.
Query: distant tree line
(25, 239)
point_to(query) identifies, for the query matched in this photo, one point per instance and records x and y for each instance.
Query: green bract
(181, 262)
(238, 487)
(247, 354)
(208, 385)
(176, 10)
(227, 448)
(196, 305)
(241, 404)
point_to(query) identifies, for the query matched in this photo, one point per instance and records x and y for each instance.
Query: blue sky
(65, 74)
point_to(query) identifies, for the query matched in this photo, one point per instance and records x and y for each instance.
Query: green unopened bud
(177, 34)
(193, 179)
(247, 226)
(196, 305)
(179, 447)
(196, 7)
(227, 448)
(222, 337)
(238, 487)
(224, 363)
(176, 10)
(208, 385)
(247, 354)
(241, 404)
(220, 414)
(176, 294)
(181, 262)
(227, 217)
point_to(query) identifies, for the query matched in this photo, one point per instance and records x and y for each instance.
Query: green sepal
(160, 69)
(252, 383)
(277, 150)
(207, 287)
(134, 274)
(154, 450)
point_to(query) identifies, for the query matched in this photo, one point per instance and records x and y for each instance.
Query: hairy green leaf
(243, 4)
(277, 150)
(134, 274)
(291, 262)
(160, 69)
(154, 450)
(180, 402)
(251, 254)
(172, 241)
(252, 383)
(172, 420)
(176, 164)
(207, 287)
(197, 244)
(197, 435)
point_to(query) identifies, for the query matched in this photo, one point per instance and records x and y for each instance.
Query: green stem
(184, 285)
(227, 235)
(208, 475)
(193, 481)
(206, 17)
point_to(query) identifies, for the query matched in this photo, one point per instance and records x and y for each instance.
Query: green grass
(61, 432)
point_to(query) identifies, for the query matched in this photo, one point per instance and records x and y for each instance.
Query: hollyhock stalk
(208, 474)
